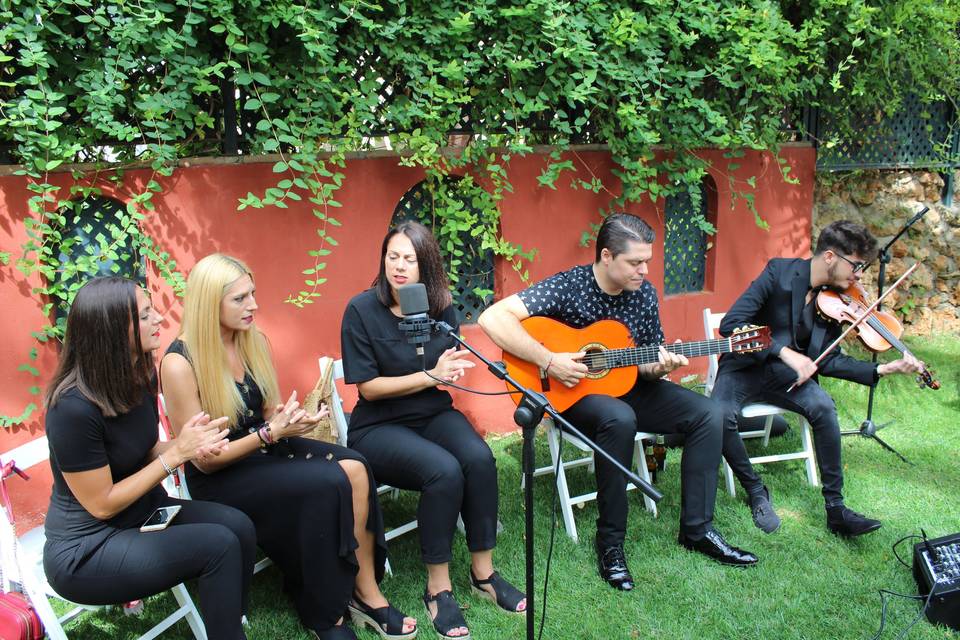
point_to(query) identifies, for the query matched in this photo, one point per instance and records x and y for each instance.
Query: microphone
(416, 325)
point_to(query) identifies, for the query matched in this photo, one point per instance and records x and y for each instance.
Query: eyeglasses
(857, 266)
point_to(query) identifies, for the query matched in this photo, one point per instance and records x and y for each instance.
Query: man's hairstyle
(847, 238)
(619, 229)
(102, 355)
(433, 275)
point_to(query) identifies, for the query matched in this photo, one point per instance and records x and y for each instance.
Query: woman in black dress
(409, 432)
(314, 504)
(107, 463)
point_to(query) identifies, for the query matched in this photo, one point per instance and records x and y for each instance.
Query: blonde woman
(314, 504)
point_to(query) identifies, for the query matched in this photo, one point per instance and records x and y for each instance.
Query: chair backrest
(25, 457)
(336, 410)
(711, 323)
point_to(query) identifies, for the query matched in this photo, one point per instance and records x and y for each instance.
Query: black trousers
(452, 468)
(768, 383)
(207, 541)
(658, 407)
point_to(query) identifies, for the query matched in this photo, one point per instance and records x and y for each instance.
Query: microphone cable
(468, 389)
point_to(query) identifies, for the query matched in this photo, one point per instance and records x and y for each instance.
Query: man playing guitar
(615, 287)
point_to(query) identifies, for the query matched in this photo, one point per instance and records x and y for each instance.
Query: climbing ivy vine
(102, 86)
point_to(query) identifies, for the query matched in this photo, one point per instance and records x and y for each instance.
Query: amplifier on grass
(936, 568)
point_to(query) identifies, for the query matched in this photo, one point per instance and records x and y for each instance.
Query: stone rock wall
(884, 201)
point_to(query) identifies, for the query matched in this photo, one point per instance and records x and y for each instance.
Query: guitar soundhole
(596, 361)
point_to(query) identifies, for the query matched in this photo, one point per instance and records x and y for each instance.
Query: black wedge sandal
(448, 615)
(387, 621)
(507, 597)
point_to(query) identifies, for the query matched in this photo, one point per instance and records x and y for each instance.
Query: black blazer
(775, 299)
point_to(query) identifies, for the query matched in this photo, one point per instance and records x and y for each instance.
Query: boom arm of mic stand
(903, 229)
(537, 402)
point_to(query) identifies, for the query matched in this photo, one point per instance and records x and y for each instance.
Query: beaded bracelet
(170, 470)
(266, 437)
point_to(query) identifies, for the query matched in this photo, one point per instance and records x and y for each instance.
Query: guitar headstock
(749, 338)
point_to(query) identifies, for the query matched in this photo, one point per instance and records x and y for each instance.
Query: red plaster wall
(196, 215)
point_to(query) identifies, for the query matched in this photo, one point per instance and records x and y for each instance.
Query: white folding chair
(22, 558)
(711, 323)
(568, 502)
(340, 419)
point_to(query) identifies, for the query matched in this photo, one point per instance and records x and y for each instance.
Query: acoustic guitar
(611, 357)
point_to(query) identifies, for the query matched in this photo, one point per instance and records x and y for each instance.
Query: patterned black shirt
(574, 297)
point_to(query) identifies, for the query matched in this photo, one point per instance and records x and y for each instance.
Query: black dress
(301, 503)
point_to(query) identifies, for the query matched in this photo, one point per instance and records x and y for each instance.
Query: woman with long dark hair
(409, 432)
(314, 504)
(107, 463)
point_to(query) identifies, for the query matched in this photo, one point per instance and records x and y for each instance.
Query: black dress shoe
(714, 546)
(612, 564)
(848, 523)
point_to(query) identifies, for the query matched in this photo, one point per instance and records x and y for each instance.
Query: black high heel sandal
(448, 615)
(507, 597)
(387, 621)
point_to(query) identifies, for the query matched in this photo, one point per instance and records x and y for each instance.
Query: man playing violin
(783, 297)
(615, 287)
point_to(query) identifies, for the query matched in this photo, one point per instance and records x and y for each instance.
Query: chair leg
(644, 473)
(767, 427)
(192, 615)
(731, 483)
(806, 435)
(566, 509)
(45, 612)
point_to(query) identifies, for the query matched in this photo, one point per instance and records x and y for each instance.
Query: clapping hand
(200, 437)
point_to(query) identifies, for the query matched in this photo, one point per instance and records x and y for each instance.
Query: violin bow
(862, 317)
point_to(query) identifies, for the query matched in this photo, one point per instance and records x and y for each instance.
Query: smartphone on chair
(160, 518)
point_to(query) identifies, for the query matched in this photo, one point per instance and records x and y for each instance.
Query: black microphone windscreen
(413, 299)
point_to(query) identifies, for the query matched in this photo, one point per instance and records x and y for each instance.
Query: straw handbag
(326, 429)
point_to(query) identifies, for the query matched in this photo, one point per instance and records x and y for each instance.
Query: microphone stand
(528, 415)
(868, 428)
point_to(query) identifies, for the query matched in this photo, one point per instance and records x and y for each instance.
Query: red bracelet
(549, 362)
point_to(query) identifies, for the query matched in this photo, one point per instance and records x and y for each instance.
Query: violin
(879, 332)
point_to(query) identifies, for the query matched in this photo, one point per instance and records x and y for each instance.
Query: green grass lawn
(808, 584)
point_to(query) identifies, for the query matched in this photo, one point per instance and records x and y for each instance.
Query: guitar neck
(633, 356)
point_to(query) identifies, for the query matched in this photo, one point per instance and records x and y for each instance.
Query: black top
(776, 299)
(252, 416)
(81, 438)
(372, 346)
(574, 297)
